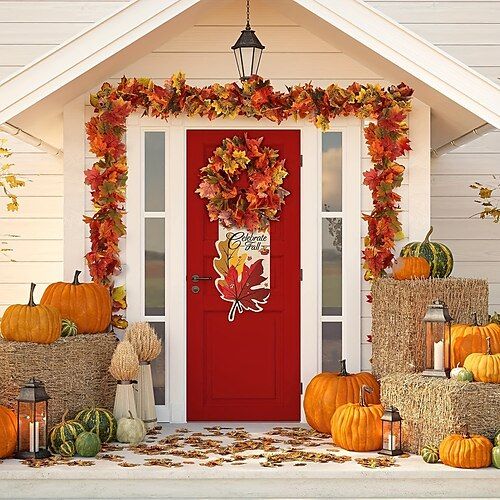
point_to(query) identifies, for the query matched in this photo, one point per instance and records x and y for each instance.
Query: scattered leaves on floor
(161, 462)
(128, 464)
(376, 462)
(111, 458)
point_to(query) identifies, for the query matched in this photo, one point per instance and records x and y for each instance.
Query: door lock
(195, 289)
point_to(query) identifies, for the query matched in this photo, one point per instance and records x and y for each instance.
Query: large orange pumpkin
(327, 391)
(466, 451)
(466, 339)
(408, 268)
(484, 367)
(8, 432)
(358, 426)
(31, 323)
(86, 304)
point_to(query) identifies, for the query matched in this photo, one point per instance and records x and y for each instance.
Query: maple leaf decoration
(243, 290)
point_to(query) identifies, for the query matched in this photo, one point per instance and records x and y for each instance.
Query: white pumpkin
(455, 371)
(130, 430)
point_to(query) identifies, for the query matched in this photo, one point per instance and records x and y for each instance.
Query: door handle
(195, 278)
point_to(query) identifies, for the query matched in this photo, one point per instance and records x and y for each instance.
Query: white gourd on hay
(125, 369)
(148, 347)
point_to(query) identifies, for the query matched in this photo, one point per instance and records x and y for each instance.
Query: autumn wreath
(231, 200)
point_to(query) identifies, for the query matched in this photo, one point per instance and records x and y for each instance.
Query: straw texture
(74, 371)
(124, 363)
(397, 311)
(145, 341)
(432, 408)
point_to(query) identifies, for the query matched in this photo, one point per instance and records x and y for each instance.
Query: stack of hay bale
(431, 408)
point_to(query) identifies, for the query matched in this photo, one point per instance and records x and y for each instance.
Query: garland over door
(249, 368)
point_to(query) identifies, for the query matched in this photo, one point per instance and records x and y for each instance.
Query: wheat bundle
(124, 368)
(147, 345)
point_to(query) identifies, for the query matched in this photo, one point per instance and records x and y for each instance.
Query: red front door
(247, 369)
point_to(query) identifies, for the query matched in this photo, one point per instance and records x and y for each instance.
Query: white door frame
(175, 254)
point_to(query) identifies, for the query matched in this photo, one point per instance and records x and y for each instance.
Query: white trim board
(90, 56)
(175, 217)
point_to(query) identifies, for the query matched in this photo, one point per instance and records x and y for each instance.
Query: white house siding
(31, 29)
(35, 232)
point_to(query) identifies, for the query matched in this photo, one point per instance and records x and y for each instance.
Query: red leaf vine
(386, 136)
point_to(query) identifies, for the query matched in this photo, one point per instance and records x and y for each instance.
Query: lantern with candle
(391, 432)
(437, 359)
(32, 417)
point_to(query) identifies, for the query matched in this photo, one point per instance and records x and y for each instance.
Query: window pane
(332, 266)
(332, 172)
(154, 145)
(158, 367)
(331, 346)
(155, 267)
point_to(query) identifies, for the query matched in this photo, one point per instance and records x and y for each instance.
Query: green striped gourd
(430, 454)
(67, 449)
(101, 420)
(88, 444)
(496, 439)
(67, 430)
(68, 328)
(495, 457)
(438, 255)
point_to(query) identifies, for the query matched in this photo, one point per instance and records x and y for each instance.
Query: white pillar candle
(34, 437)
(439, 355)
(390, 442)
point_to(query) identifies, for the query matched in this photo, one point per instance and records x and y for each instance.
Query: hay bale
(397, 311)
(74, 371)
(432, 408)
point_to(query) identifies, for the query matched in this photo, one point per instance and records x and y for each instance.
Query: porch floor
(209, 469)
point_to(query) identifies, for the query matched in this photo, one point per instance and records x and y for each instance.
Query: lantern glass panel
(41, 423)
(247, 56)
(26, 416)
(390, 432)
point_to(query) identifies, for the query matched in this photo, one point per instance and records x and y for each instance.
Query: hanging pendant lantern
(247, 50)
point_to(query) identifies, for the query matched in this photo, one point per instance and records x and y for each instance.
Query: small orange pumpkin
(466, 451)
(408, 268)
(484, 367)
(466, 339)
(31, 323)
(8, 432)
(358, 426)
(329, 390)
(86, 304)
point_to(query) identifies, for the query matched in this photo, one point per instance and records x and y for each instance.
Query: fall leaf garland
(386, 137)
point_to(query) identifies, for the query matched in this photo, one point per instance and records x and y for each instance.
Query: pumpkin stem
(64, 416)
(343, 370)
(428, 235)
(362, 394)
(31, 301)
(465, 431)
(75, 279)
(474, 319)
(488, 346)
(131, 416)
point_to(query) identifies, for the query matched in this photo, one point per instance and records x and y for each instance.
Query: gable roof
(460, 98)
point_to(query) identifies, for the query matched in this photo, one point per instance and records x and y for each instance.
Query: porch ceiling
(460, 99)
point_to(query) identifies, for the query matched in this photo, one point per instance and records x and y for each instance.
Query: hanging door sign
(244, 267)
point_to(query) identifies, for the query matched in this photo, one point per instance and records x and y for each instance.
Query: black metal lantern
(437, 359)
(32, 419)
(247, 50)
(391, 432)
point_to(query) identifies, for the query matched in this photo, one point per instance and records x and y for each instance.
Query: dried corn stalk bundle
(397, 311)
(432, 408)
(148, 347)
(124, 368)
